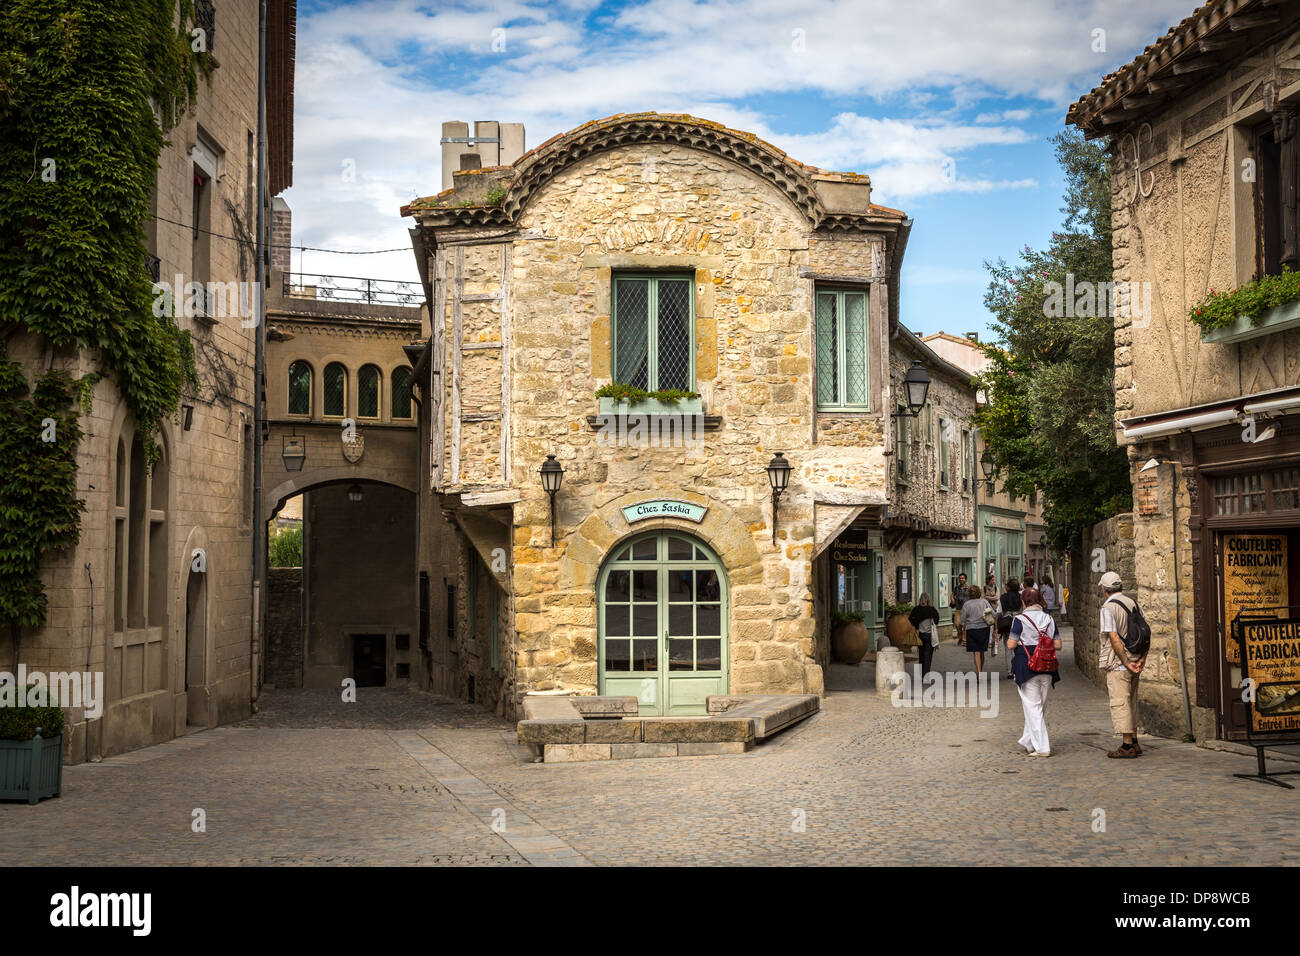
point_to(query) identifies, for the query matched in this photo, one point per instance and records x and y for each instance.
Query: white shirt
(1049, 597)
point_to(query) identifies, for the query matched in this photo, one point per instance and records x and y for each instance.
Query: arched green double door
(663, 623)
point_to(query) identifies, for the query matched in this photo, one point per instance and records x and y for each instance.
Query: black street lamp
(552, 473)
(986, 464)
(916, 383)
(778, 475)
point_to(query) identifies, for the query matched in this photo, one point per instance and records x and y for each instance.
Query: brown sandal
(1123, 751)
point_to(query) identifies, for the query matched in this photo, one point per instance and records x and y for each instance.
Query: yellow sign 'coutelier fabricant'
(1272, 661)
(1254, 576)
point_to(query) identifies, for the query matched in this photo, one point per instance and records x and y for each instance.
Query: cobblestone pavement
(406, 778)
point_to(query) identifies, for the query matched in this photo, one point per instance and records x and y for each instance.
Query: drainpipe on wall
(259, 372)
(1178, 613)
(90, 650)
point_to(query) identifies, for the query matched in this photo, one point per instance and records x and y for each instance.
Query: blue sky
(948, 105)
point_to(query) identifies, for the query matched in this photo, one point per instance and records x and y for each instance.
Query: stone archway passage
(663, 623)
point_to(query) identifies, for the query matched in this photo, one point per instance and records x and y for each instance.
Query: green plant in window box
(621, 392)
(1219, 310)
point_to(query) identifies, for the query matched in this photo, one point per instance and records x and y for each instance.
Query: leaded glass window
(653, 332)
(841, 326)
(299, 389)
(401, 385)
(336, 389)
(368, 392)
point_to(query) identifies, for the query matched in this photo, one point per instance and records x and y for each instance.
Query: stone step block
(628, 751)
(572, 753)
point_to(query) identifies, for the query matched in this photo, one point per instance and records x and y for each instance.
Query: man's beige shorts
(1122, 686)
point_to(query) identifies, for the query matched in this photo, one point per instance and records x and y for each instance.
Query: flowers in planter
(622, 392)
(1219, 310)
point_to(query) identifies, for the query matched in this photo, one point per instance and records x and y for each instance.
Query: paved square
(410, 779)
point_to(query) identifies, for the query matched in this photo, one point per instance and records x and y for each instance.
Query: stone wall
(284, 642)
(204, 487)
(1112, 541)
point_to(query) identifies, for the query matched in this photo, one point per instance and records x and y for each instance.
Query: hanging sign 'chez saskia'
(664, 509)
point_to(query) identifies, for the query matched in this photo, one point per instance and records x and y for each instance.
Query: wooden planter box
(1277, 319)
(31, 770)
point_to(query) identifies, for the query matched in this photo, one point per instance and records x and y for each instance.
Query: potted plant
(850, 639)
(31, 748)
(898, 628)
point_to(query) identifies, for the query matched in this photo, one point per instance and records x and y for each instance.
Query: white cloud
(376, 79)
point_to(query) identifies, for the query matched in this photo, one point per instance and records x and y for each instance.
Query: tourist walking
(1049, 598)
(991, 589)
(1009, 605)
(1122, 668)
(1033, 644)
(955, 601)
(977, 619)
(925, 618)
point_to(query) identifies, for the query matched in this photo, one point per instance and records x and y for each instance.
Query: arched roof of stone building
(504, 191)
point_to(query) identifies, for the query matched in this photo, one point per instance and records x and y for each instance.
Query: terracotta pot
(849, 642)
(901, 632)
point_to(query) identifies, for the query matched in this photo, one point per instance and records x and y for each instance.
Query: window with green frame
(903, 443)
(965, 459)
(841, 326)
(943, 453)
(653, 335)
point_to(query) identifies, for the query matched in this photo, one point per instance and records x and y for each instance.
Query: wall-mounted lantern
(294, 452)
(778, 476)
(986, 464)
(552, 473)
(916, 384)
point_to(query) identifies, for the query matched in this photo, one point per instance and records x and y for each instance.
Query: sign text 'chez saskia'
(664, 509)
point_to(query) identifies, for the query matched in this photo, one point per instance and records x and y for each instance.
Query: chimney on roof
(281, 239)
(491, 144)
(973, 336)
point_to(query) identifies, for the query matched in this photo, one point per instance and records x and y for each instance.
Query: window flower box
(31, 770)
(1277, 319)
(650, 406)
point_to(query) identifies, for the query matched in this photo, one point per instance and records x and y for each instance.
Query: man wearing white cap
(1121, 670)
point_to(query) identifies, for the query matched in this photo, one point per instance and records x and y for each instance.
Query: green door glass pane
(368, 392)
(632, 332)
(401, 392)
(855, 348)
(827, 339)
(336, 389)
(299, 389)
(673, 343)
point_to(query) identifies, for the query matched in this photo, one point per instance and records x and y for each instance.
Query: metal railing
(313, 285)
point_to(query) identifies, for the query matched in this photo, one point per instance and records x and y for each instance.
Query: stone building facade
(1202, 130)
(661, 252)
(157, 594)
(1010, 528)
(928, 534)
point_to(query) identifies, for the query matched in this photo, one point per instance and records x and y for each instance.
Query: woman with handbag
(925, 618)
(977, 618)
(1033, 643)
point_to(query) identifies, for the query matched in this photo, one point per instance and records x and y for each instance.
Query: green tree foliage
(286, 548)
(1049, 418)
(80, 81)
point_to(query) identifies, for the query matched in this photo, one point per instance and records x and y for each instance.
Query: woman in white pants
(1032, 625)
